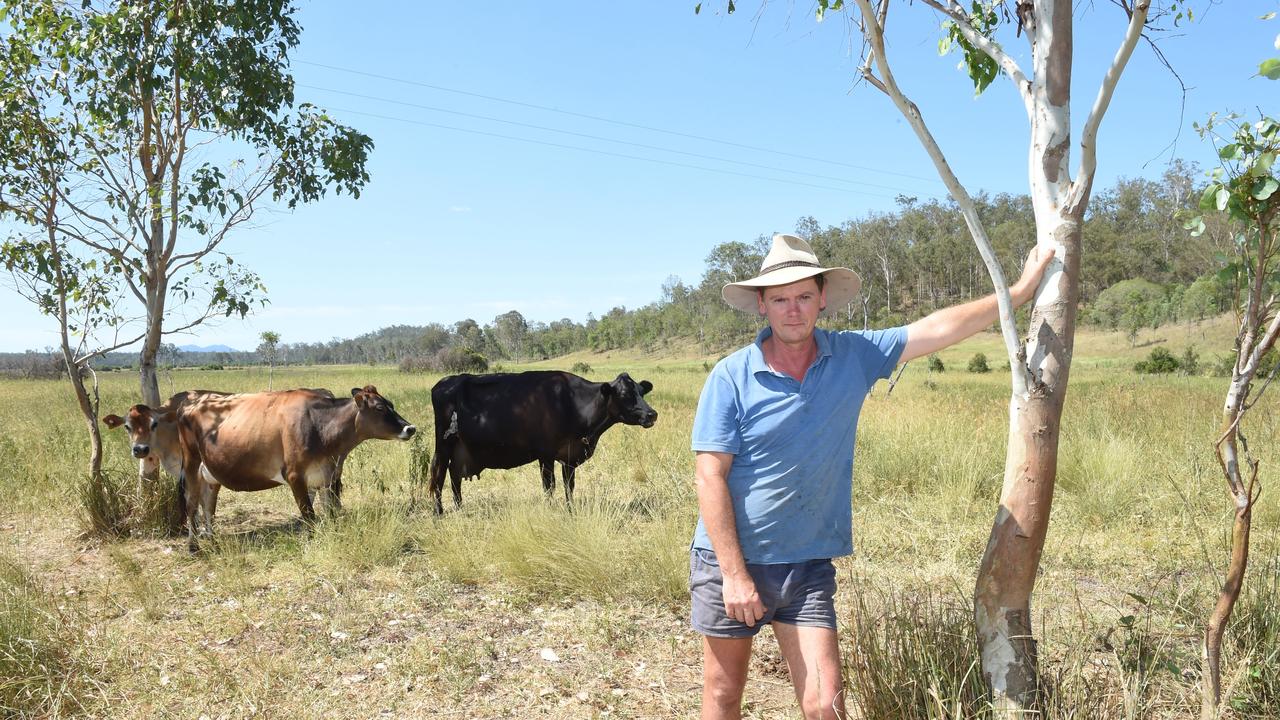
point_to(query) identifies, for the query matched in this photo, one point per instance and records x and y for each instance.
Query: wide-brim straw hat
(791, 260)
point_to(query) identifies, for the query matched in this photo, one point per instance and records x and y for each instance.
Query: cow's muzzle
(407, 432)
(649, 419)
(141, 451)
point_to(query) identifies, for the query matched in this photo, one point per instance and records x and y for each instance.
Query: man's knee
(723, 688)
(822, 707)
(822, 702)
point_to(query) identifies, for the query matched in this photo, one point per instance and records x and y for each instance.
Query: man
(774, 438)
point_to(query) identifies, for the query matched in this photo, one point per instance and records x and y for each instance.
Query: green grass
(389, 607)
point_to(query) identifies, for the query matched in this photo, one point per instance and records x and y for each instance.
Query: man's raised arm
(948, 326)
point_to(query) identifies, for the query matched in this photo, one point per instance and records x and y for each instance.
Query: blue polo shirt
(791, 481)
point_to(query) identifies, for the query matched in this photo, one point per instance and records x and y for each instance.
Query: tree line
(1141, 268)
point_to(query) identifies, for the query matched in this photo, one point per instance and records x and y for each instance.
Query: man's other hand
(1037, 260)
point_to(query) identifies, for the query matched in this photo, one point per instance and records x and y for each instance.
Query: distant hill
(207, 348)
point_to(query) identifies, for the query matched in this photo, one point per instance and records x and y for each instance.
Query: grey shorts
(800, 593)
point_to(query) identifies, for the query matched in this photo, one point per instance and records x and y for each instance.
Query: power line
(623, 123)
(605, 139)
(606, 152)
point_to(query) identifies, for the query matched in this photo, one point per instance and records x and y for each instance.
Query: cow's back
(505, 420)
(242, 439)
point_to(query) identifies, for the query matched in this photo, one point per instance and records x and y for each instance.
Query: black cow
(505, 420)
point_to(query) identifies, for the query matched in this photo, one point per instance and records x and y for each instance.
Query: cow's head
(142, 423)
(626, 397)
(376, 416)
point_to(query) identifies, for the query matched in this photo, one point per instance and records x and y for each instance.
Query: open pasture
(514, 607)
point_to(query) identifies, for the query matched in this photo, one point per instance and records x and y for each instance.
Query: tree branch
(1020, 375)
(1089, 136)
(990, 48)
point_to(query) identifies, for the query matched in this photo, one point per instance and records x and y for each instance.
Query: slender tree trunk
(88, 406)
(149, 379)
(1227, 597)
(1243, 492)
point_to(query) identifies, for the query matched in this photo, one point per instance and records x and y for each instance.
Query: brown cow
(263, 440)
(153, 436)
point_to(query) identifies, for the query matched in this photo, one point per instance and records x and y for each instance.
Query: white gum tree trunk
(1041, 364)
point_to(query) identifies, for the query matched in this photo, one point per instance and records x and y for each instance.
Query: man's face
(792, 310)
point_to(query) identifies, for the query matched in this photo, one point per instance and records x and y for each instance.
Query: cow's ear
(645, 387)
(113, 421)
(606, 389)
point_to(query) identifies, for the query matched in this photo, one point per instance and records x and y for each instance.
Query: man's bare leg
(813, 659)
(724, 676)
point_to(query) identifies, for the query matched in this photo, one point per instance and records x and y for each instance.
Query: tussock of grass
(40, 671)
(119, 506)
(914, 657)
(360, 539)
(597, 552)
(105, 511)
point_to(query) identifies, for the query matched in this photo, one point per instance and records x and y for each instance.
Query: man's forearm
(721, 524)
(948, 326)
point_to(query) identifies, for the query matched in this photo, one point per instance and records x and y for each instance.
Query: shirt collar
(755, 353)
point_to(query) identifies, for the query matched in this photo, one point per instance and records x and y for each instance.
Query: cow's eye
(154, 423)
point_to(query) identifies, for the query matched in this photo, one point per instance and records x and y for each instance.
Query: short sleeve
(716, 425)
(879, 350)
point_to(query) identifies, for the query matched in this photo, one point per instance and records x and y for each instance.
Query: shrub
(1161, 361)
(1129, 305)
(935, 364)
(1267, 363)
(978, 364)
(581, 368)
(446, 360)
(1190, 362)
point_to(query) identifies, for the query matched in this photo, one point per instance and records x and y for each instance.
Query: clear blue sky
(459, 224)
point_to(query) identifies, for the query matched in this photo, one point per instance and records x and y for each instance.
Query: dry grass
(514, 607)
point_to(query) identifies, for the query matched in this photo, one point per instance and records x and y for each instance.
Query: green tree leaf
(1264, 187)
(1270, 68)
(1209, 199)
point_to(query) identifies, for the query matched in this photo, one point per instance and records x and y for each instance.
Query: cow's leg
(190, 498)
(439, 464)
(548, 468)
(298, 483)
(337, 486)
(455, 482)
(567, 471)
(330, 488)
(208, 505)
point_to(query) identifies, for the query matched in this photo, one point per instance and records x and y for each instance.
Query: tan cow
(153, 438)
(258, 441)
